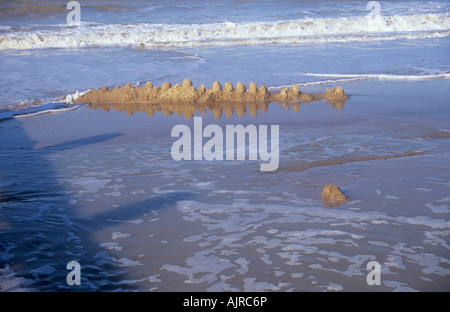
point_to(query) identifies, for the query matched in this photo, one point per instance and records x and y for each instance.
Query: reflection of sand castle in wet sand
(187, 93)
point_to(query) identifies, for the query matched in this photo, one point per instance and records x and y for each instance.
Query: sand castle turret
(166, 86)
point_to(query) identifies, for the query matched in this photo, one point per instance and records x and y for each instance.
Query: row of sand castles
(187, 93)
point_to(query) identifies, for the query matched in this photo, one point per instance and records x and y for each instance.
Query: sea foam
(299, 31)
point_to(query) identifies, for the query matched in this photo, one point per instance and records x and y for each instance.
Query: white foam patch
(228, 252)
(136, 221)
(423, 189)
(379, 222)
(222, 286)
(293, 258)
(201, 263)
(114, 194)
(116, 186)
(425, 221)
(251, 285)
(297, 275)
(243, 265)
(331, 287)
(235, 192)
(110, 246)
(437, 238)
(104, 256)
(125, 262)
(117, 235)
(279, 273)
(438, 208)
(41, 111)
(205, 185)
(431, 263)
(392, 197)
(395, 261)
(151, 279)
(159, 191)
(398, 286)
(266, 259)
(70, 98)
(303, 236)
(382, 76)
(194, 238)
(90, 184)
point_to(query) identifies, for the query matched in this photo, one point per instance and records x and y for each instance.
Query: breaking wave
(300, 31)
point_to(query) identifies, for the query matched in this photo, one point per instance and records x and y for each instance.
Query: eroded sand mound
(334, 193)
(187, 93)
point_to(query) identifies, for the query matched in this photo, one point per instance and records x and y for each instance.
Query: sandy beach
(101, 187)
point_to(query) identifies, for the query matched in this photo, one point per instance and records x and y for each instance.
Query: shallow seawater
(104, 190)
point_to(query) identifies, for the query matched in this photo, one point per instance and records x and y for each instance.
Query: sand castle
(187, 93)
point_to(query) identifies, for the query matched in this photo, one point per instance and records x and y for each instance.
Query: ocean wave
(300, 31)
(43, 109)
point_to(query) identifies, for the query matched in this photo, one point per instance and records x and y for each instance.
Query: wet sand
(100, 187)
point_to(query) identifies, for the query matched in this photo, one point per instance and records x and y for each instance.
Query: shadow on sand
(40, 232)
